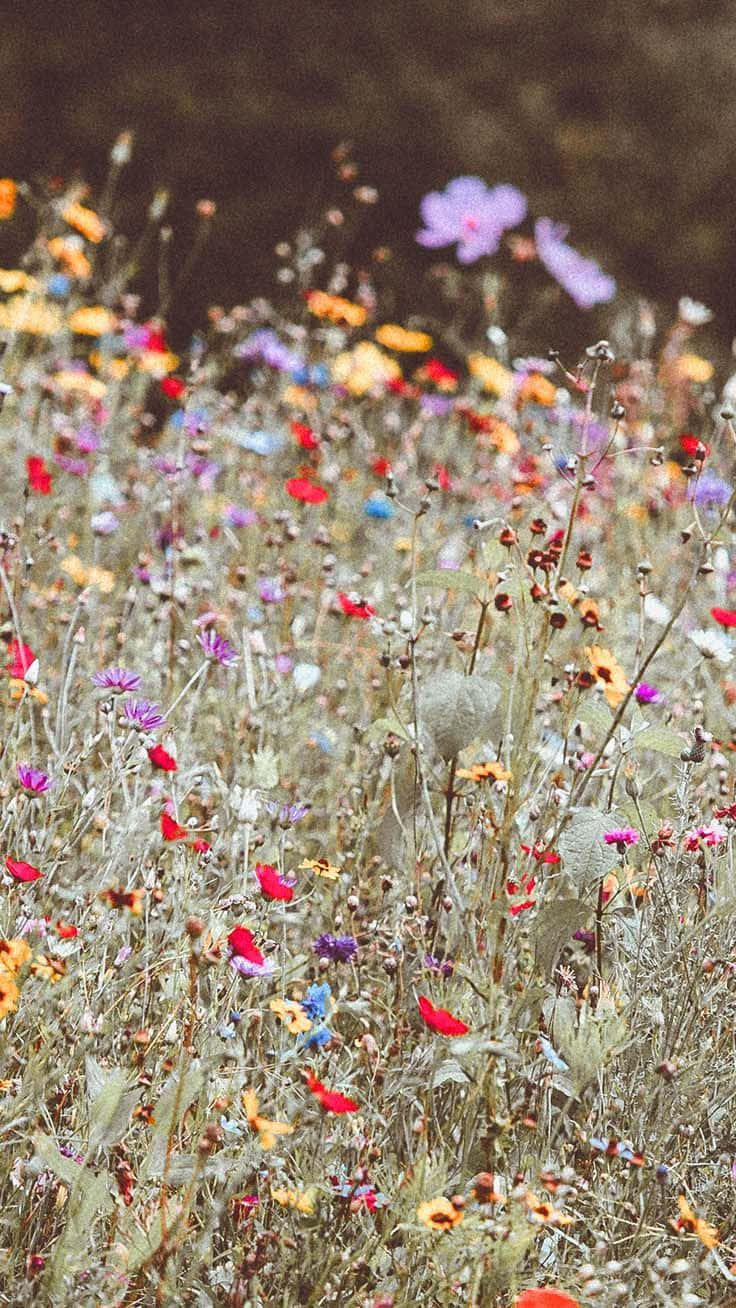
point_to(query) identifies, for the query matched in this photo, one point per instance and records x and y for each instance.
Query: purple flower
(204, 470)
(288, 814)
(270, 590)
(647, 694)
(119, 680)
(216, 647)
(443, 967)
(234, 516)
(104, 524)
(340, 949)
(471, 213)
(264, 346)
(582, 278)
(32, 780)
(246, 968)
(143, 715)
(711, 491)
(626, 836)
(436, 405)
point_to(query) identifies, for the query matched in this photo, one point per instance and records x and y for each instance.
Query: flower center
(469, 222)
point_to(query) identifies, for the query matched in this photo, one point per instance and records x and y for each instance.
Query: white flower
(712, 645)
(306, 676)
(693, 312)
(655, 610)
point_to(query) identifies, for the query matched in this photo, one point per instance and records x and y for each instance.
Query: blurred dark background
(619, 118)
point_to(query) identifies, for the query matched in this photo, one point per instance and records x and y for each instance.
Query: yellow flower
(19, 689)
(504, 438)
(91, 320)
(92, 576)
(364, 369)
(481, 771)
(439, 1214)
(67, 250)
(118, 898)
(69, 380)
(8, 197)
(491, 373)
(291, 1014)
(14, 279)
(608, 670)
(158, 362)
(692, 368)
(690, 1224)
(336, 309)
(49, 968)
(9, 994)
(13, 954)
(302, 1200)
(321, 867)
(393, 337)
(27, 313)
(85, 221)
(267, 1130)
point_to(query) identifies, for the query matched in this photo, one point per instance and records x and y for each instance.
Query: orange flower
(690, 367)
(49, 968)
(336, 309)
(393, 337)
(687, 1223)
(13, 954)
(130, 899)
(491, 373)
(536, 389)
(67, 251)
(439, 1214)
(9, 994)
(8, 197)
(546, 1214)
(321, 867)
(268, 1130)
(481, 772)
(608, 670)
(85, 221)
(91, 320)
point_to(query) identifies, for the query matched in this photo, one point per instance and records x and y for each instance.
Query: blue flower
(315, 1001)
(316, 1038)
(378, 507)
(261, 442)
(58, 285)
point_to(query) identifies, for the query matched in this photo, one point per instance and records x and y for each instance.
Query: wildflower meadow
(368, 906)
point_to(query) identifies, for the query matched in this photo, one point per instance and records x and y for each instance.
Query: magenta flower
(472, 214)
(626, 836)
(646, 694)
(216, 647)
(118, 680)
(143, 715)
(582, 278)
(32, 780)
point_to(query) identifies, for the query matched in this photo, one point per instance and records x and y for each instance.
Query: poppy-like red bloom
(161, 759)
(331, 1100)
(173, 387)
(200, 845)
(22, 659)
(381, 467)
(694, 447)
(65, 931)
(726, 617)
(439, 1020)
(546, 1297)
(301, 488)
(513, 888)
(22, 871)
(540, 854)
(304, 436)
(173, 830)
(242, 945)
(272, 885)
(39, 477)
(442, 476)
(353, 610)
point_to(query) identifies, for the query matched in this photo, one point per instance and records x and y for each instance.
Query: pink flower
(626, 836)
(472, 214)
(32, 780)
(582, 278)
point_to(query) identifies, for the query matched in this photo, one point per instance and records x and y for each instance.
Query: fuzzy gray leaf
(553, 928)
(585, 855)
(455, 710)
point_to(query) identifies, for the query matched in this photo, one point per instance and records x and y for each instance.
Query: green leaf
(594, 714)
(585, 855)
(111, 1104)
(554, 927)
(661, 740)
(451, 579)
(265, 768)
(449, 1070)
(455, 710)
(48, 1152)
(89, 1197)
(384, 727)
(178, 1094)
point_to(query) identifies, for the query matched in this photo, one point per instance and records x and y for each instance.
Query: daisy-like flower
(121, 681)
(302, 1200)
(143, 715)
(13, 954)
(690, 1224)
(9, 994)
(217, 648)
(712, 645)
(268, 1131)
(321, 867)
(339, 949)
(439, 1214)
(608, 670)
(115, 897)
(33, 780)
(482, 771)
(292, 1015)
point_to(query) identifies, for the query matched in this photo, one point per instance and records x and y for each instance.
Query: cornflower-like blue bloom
(315, 1001)
(118, 680)
(216, 647)
(378, 507)
(264, 346)
(339, 949)
(143, 714)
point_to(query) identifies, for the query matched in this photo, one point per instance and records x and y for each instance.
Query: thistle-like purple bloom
(646, 694)
(235, 516)
(711, 491)
(626, 836)
(472, 214)
(32, 780)
(216, 647)
(442, 966)
(339, 949)
(582, 278)
(118, 680)
(143, 715)
(270, 590)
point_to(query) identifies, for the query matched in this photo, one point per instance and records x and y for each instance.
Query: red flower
(172, 830)
(22, 659)
(65, 932)
(436, 371)
(173, 387)
(512, 888)
(272, 884)
(39, 478)
(352, 609)
(541, 854)
(726, 617)
(201, 845)
(442, 476)
(161, 759)
(22, 871)
(305, 436)
(381, 467)
(331, 1100)
(243, 945)
(301, 488)
(546, 1297)
(439, 1020)
(694, 447)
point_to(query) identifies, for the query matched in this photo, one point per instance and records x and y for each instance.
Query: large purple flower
(471, 213)
(216, 647)
(120, 680)
(143, 715)
(582, 278)
(33, 780)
